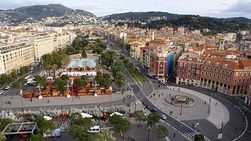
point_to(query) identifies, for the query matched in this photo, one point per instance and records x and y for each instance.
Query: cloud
(103, 7)
(241, 8)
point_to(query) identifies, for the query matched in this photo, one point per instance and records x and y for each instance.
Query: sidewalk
(12, 102)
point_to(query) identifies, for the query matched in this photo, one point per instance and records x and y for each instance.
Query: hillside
(160, 19)
(38, 12)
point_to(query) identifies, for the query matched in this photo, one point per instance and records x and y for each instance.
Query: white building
(16, 55)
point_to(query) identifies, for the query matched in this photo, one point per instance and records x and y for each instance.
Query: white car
(94, 129)
(167, 139)
(1, 92)
(164, 117)
(7, 88)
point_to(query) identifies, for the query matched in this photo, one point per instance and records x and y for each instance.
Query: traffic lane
(181, 127)
(247, 135)
(237, 123)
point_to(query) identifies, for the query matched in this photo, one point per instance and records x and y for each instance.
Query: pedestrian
(174, 135)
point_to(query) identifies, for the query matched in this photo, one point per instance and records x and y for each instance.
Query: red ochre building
(223, 71)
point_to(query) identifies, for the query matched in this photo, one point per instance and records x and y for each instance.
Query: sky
(213, 8)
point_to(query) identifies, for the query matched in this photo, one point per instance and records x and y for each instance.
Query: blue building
(170, 67)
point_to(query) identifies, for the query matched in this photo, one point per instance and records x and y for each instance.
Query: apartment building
(226, 72)
(25, 51)
(16, 55)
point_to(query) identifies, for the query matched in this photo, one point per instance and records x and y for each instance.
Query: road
(142, 96)
(179, 126)
(235, 129)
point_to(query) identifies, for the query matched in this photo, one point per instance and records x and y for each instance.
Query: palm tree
(152, 119)
(140, 116)
(105, 135)
(79, 128)
(80, 82)
(120, 124)
(44, 125)
(103, 80)
(41, 81)
(162, 131)
(61, 85)
(199, 138)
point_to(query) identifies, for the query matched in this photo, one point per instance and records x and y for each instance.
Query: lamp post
(181, 109)
(210, 100)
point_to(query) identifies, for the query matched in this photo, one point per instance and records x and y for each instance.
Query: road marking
(246, 128)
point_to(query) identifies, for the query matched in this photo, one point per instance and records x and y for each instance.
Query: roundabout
(201, 109)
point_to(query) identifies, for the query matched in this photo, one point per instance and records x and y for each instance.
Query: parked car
(94, 129)
(1, 92)
(7, 87)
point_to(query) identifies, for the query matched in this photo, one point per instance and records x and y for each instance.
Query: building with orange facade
(225, 71)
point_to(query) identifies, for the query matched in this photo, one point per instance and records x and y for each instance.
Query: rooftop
(81, 63)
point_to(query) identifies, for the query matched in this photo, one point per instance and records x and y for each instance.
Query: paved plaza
(203, 107)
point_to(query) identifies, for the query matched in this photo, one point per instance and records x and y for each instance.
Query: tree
(83, 53)
(103, 80)
(80, 134)
(119, 79)
(44, 125)
(199, 138)
(105, 135)
(79, 128)
(117, 67)
(162, 131)
(76, 119)
(41, 81)
(80, 82)
(119, 123)
(54, 61)
(107, 58)
(140, 116)
(4, 122)
(13, 74)
(61, 85)
(152, 119)
(4, 78)
(2, 137)
(24, 70)
(37, 137)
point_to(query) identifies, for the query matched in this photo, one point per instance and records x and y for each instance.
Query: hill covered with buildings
(54, 14)
(162, 19)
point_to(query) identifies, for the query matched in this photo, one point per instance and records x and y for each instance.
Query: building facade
(15, 56)
(226, 75)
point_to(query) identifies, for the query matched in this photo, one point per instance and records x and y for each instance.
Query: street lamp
(210, 100)
(181, 109)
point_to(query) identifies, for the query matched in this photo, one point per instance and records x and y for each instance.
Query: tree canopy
(152, 119)
(103, 79)
(199, 138)
(162, 131)
(41, 81)
(61, 85)
(44, 125)
(119, 123)
(79, 128)
(37, 137)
